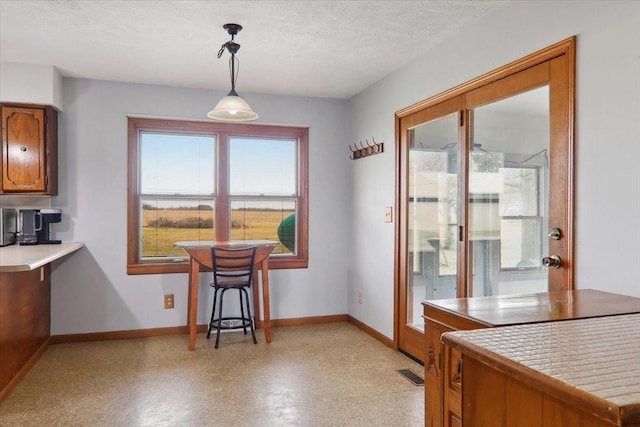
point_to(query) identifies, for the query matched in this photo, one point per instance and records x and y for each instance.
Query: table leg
(256, 299)
(265, 300)
(192, 305)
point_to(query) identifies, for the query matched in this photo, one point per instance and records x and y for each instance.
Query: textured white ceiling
(330, 49)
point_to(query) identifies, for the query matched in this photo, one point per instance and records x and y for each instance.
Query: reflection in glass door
(509, 195)
(432, 214)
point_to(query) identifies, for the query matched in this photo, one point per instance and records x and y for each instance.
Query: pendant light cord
(234, 66)
(234, 63)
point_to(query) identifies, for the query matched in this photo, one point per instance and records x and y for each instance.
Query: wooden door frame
(562, 128)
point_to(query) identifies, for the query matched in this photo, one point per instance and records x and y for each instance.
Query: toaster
(8, 226)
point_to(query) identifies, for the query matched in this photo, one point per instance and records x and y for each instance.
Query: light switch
(387, 214)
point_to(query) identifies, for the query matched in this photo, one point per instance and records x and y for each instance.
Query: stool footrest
(240, 323)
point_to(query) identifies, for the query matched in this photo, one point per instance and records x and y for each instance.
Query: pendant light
(232, 108)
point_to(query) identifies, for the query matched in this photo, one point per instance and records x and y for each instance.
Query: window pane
(165, 222)
(484, 176)
(176, 164)
(265, 220)
(520, 192)
(432, 207)
(263, 166)
(520, 245)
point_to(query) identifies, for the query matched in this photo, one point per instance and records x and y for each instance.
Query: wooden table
(443, 374)
(578, 373)
(200, 255)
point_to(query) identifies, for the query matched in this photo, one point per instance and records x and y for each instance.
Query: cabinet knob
(23, 149)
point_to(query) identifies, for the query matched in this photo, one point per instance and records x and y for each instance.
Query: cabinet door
(24, 150)
(25, 313)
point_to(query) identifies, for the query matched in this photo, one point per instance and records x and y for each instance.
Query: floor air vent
(411, 376)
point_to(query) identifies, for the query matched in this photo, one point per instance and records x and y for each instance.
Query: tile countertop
(29, 257)
(594, 362)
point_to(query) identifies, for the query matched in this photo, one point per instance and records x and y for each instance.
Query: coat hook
(352, 156)
(365, 149)
(368, 148)
(375, 147)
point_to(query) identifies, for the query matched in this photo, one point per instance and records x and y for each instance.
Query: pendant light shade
(232, 108)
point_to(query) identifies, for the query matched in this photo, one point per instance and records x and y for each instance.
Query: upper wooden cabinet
(29, 150)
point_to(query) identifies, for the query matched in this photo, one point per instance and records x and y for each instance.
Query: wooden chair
(232, 269)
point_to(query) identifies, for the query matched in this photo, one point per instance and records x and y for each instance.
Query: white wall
(607, 130)
(30, 83)
(91, 291)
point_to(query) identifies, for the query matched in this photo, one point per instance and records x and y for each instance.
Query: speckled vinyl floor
(319, 375)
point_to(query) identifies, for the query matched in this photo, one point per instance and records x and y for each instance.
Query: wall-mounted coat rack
(366, 150)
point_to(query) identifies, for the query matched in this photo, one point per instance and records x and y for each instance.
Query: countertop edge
(37, 262)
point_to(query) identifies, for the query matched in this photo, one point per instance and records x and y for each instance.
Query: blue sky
(185, 164)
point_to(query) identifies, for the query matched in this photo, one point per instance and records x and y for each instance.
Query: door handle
(552, 261)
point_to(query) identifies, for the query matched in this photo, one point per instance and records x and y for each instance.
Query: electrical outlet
(168, 301)
(359, 297)
(388, 214)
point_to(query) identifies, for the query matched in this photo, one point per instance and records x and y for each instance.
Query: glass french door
(432, 214)
(508, 195)
(430, 228)
(485, 193)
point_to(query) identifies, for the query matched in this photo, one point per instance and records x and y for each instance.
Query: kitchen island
(576, 373)
(25, 307)
(443, 366)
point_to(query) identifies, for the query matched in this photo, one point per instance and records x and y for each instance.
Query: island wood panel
(25, 313)
(433, 396)
(491, 398)
(442, 389)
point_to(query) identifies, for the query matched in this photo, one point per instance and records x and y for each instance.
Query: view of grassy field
(163, 227)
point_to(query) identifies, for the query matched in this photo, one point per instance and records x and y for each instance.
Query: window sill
(183, 267)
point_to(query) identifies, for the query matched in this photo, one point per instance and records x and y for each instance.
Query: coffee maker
(35, 226)
(48, 217)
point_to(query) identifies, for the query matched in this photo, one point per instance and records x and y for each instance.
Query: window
(205, 181)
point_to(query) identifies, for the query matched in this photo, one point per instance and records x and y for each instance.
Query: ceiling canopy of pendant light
(232, 108)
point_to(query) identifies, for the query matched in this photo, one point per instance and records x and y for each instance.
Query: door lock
(555, 233)
(552, 261)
